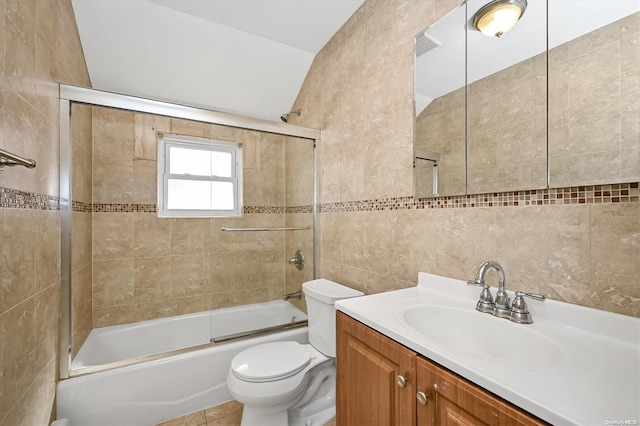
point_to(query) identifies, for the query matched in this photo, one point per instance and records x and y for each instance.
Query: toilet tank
(321, 295)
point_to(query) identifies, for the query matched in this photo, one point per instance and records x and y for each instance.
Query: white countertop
(589, 376)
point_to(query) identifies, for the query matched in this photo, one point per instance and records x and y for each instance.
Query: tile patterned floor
(228, 414)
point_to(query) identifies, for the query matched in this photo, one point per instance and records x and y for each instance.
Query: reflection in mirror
(588, 130)
(439, 86)
(426, 165)
(506, 104)
(594, 92)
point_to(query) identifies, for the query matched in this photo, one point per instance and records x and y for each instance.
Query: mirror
(594, 92)
(440, 97)
(507, 104)
(588, 130)
(426, 164)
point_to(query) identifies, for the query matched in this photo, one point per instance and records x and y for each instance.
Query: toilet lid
(270, 361)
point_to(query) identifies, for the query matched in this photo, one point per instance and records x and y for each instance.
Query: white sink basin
(572, 366)
(483, 335)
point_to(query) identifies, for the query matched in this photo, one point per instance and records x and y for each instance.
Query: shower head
(285, 117)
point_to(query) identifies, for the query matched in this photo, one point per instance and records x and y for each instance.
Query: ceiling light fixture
(499, 16)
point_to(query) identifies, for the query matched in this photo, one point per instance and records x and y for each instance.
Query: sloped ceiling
(243, 56)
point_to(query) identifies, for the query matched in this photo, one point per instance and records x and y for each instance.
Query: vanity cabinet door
(369, 389)
(453, 400)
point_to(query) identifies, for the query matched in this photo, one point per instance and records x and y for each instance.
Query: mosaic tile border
(595, 194)
(263, 209)
(123, 208)
(15, 199)
(82, 207)
(299, 209)
(151, 208)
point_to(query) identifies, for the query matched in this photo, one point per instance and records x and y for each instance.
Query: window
(198, 177)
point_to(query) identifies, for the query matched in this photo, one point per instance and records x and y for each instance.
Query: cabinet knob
(401, 380)
(422, 398)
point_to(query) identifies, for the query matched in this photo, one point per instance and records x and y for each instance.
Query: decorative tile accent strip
(82, 207)
(299, 209)
(151, 208)
(595, 194)
(123, 208)
(15, 199)
(262, 209)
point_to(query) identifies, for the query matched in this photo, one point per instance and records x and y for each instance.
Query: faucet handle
(520, 295)
(476, 282)
(534, 296)
(520, 310)
(485, 303)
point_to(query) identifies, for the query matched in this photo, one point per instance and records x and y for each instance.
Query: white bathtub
(155, 391)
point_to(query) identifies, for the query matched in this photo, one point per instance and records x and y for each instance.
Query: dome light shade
(499, 16)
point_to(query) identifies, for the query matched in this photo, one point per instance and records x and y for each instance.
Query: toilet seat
(270, 361)
(278, 391)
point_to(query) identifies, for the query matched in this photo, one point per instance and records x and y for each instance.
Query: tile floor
(228, 414)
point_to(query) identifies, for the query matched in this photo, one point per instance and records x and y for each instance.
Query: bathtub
(154, 391)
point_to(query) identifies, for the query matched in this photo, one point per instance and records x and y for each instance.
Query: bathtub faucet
(296, 295)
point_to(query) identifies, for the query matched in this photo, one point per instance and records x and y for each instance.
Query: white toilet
(288, 383)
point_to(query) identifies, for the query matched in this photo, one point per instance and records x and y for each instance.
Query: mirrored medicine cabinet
(554, 102)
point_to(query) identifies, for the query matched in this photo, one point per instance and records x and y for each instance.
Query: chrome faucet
(486, 303)
(501, 307)
(296, 295)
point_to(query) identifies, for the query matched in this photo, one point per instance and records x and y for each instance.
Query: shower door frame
(70, 95)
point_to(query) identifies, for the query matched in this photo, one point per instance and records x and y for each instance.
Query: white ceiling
(243, 56)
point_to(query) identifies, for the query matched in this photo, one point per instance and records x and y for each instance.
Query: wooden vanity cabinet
(368, 369)
(370, 392)
(453, 400)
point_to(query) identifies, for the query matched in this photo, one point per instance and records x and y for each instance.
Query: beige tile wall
(440, 128)
(359, 92)
(594, 106)
(145, 267)
(507, 130)
(39, 47)
(298, 193)
(81, 260)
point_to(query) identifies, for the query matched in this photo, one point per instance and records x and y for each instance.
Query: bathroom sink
(554, 368)
(483, 335)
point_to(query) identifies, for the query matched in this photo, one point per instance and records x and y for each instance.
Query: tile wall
(298, 200)
(359, 92)
(440, 128)
(506, 128)
(145, 267)
(81, 232)
(599, 68)
(39, 47)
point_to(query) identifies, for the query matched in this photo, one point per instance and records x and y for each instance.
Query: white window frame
(165, 142)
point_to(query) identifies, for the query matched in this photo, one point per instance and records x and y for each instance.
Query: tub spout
(296, 295)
